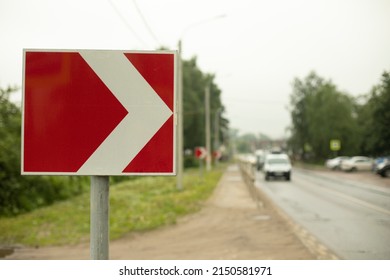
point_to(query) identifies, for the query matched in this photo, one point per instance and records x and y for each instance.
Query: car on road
(335, 163)
(260, 156)
(379, 162)
(383, 168)
(277, 165)
(358, 163)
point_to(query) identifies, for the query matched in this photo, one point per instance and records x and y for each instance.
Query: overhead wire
(129, 27)
(146, 23)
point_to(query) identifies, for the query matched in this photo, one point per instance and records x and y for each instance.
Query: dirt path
(230, 226)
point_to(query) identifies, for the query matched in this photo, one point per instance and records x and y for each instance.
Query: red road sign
(200, 152)
(94, 112)
(217, 154)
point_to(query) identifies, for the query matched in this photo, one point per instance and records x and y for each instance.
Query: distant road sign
(200, 152)
(335, 145)
(217, 154)
(95, 112)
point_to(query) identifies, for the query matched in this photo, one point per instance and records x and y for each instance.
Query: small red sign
(200, 152)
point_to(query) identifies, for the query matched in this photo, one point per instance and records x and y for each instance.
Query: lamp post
(180, 133)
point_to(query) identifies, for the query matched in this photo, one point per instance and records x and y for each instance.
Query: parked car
(335, 163)
(357, 163)
(379, 161)
(277, 165)
(383, 168)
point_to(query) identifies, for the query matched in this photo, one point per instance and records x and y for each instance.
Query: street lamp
(180, 134)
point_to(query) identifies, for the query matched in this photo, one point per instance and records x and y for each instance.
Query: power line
(146, 23)
(126, 23)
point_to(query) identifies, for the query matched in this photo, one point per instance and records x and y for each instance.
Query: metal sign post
(201, 168)
(99, 217)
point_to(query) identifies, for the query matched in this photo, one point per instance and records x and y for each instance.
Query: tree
(319, 114)
(374, 119)
(194, 86)
(246, 143)
(299, 103)
(10, 126)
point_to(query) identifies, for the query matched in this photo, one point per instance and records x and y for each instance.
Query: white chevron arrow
(146, 113)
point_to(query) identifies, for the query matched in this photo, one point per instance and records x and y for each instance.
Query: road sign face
(94, 112)
(335, 145)
(217, 154)
(200, 152)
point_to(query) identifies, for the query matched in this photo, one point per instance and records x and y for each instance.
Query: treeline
(20, 194)
(194, 87)
(320, 113)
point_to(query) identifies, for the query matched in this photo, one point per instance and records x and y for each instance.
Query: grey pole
(208, 136)
(99, 218)
(179, 175)
(180, 133)
(216, 132)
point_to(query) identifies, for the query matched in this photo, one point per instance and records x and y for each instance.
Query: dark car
(383, 169)
(379, 161)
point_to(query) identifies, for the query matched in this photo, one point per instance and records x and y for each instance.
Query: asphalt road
(347, 212)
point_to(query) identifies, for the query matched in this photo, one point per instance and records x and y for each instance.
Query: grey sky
(255, 51)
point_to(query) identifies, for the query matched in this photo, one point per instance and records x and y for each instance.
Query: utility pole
(180, 133)
(216, 132)
(208, 136)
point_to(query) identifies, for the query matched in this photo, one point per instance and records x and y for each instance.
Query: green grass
(135, 205)
(320, 165)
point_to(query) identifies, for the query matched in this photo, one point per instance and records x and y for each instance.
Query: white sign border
(174, 112)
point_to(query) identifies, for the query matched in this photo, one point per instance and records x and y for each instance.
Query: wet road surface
(349, 213)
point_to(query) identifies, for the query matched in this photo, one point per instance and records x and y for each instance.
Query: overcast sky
(255, 51)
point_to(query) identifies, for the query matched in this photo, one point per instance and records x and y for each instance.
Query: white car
(277, 165)
(357, 163)
(335, 163)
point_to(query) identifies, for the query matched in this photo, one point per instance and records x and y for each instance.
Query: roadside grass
(135, 205)
(320, 165)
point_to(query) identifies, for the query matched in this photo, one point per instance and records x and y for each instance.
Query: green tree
(194, 87)
(299, 103)
(10, 126)
(321, 113)
(374, 119)
(246, 143)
